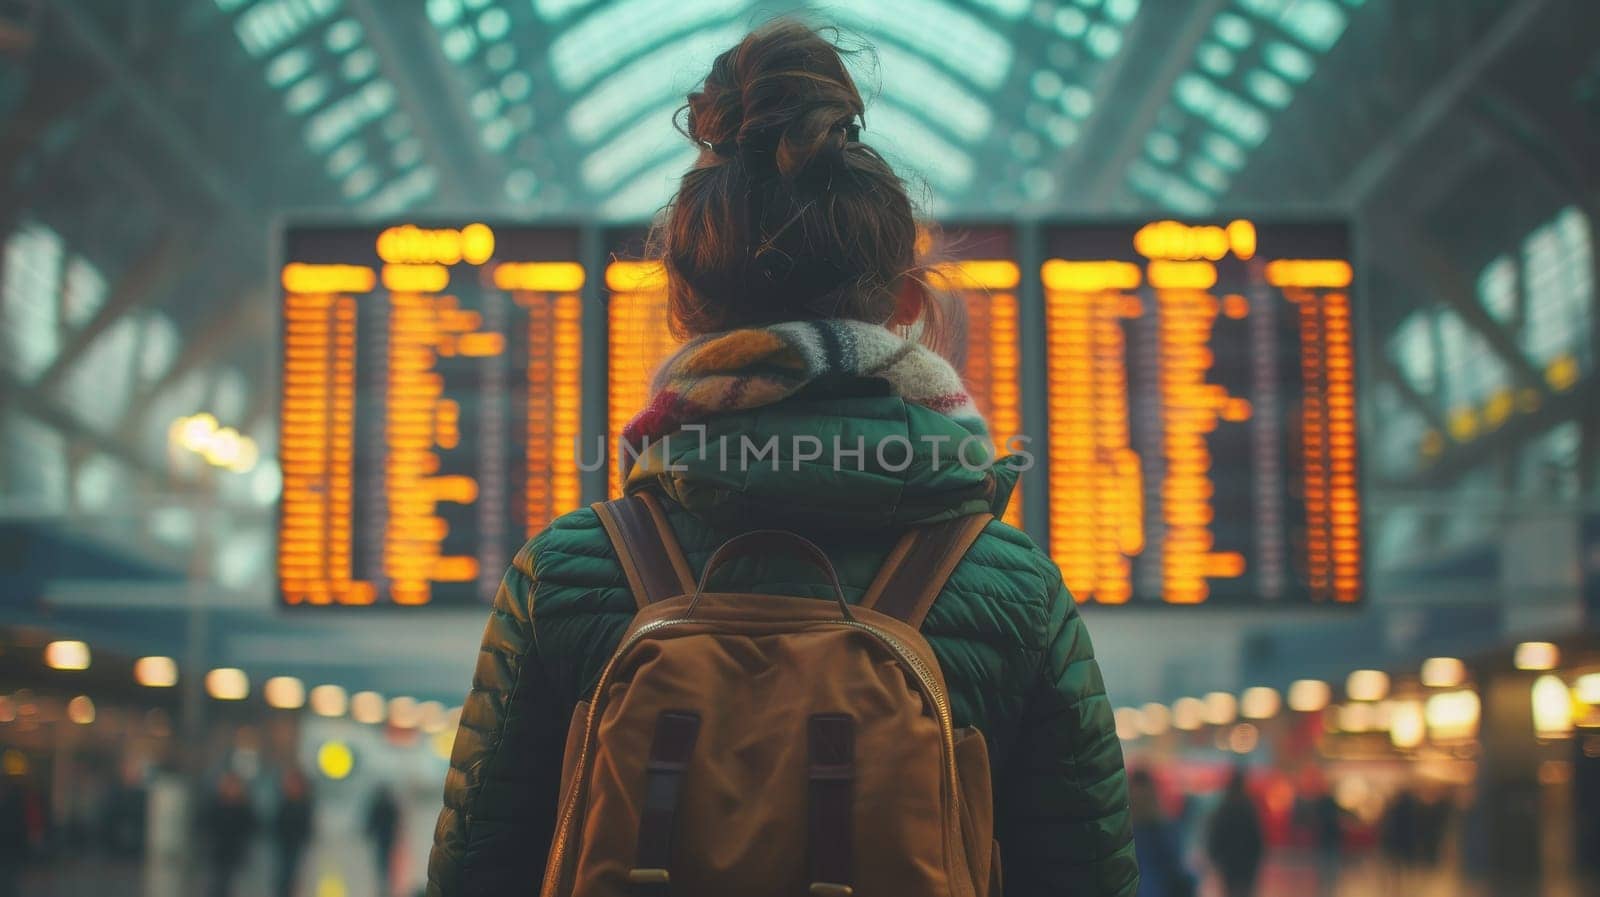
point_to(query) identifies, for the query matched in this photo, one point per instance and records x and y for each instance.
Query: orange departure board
(640, 341)
(978, 296)
(430, 407)
(984, 330)
(1201, 413)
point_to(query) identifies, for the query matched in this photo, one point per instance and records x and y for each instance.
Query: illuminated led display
(430, 407)
(639, 341)
(983, 288)
(1201, 419)
(991, 367)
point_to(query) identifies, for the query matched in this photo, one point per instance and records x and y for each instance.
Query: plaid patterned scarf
(743, 369)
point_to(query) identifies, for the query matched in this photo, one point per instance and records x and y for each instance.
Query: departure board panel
(974, 280)
(972, 276)
(639, 338)
(1201, 404)
(430, 407)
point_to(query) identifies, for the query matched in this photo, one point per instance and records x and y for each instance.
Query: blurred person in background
(1321, 823)
(85, 797)
(127, 811)
(15, 838)
(1323, 820)
(291, 828)
(1234, 841)
(1436, 818)
(230, 824)
(1400, 829)
(1157, 842)
(1401, 838)
(383, 824)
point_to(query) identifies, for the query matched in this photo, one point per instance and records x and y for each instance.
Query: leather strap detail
(919, 566)
(831, 752)
(669, 541)
(886, 572)
(676, 731)
(649, 552)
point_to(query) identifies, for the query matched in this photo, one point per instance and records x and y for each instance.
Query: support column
(1035, 483)
(1504, 835)
(593, 253)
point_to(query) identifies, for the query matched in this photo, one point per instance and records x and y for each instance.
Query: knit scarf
(743, 369)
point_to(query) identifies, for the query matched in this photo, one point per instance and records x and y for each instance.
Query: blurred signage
(430, 406)
(1202, 431)
(37, 554)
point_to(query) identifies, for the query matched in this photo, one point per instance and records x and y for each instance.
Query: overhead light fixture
(1453, 715)
(1552, 707)
(1407, 724)
(1260, 702)
(1537, 656)
(67, 655)
(367, 707)
(1443, 672)
(1154, 719)
(431, 717)
(220, 446)
(1367, 685)
(1243, 738)
(328, 700)
(1188, 714)
(81, 710)
(228, 684)
(1309, 695)
(1587, 688)
(194, 431)
(155, 672)
(1358, 717)
(284, 693)
(404, 713)
(1221, 708)
(1128, 722)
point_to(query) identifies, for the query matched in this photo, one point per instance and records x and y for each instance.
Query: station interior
(312, 312)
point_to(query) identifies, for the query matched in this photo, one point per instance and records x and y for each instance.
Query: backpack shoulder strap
(920, 564)
(646, 547)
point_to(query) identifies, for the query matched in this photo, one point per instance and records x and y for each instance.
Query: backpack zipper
(925, 677)
(930, 684)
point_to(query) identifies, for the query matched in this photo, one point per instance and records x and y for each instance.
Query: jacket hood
(844, 455)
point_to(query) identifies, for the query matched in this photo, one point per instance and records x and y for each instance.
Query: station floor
(344, 868)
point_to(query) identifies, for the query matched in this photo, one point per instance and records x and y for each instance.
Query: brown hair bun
(787, 215)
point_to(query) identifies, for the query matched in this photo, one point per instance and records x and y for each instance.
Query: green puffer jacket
(1015, 654)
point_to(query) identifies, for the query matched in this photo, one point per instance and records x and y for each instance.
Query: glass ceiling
(319, 59)
(1255, 56)
(576, 97)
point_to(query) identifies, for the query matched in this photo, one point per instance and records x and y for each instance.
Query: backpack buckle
(649, 876)
(829, 889)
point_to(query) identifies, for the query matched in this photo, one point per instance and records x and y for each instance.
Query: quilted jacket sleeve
(1061, 808)
(500, 794)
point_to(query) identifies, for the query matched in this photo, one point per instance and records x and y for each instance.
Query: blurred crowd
(96, 818)
(1185, 839)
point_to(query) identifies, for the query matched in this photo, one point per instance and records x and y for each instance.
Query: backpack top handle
(765, 541)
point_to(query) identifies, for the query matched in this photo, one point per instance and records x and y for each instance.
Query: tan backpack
(751, 745)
